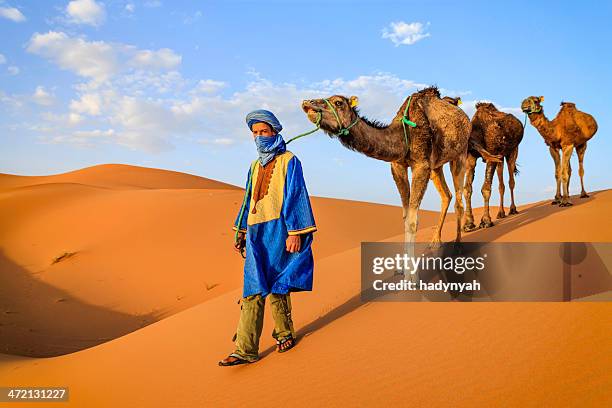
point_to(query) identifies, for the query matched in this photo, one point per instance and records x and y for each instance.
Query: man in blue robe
(276, 225)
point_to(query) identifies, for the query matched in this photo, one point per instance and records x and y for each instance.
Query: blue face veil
(267, 146)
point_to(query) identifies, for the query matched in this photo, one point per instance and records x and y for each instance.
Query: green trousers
(251, 323)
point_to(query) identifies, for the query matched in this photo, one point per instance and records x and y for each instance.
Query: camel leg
(485, 222)
(500, 177)
(458, 171)
(511, 162)
(566, 171)
(470, 165)
(420, 178)
(581, 150)
(400, 176)
(437, 177)
(557, 159)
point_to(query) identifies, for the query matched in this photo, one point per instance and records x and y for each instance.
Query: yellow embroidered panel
(269, 207)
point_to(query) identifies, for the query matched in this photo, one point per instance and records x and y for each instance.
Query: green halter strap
(317, 127)
(344, 131)
(406, 120)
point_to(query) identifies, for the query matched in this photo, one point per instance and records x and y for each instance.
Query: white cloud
(130, 7)
(401, 33)
(42, 97)
(2, 59)
(68, 120)
(84, 138)
(209, 86)
(98, 60)
(13, 70)
(15, 102)
(12, 14)
(86, 12)
(164, 59)
(146, 124)
(142, 82)
(90, 104)
(74, 118)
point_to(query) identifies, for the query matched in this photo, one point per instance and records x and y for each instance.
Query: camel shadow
(524, 217)
(501, 228)
(40, 320)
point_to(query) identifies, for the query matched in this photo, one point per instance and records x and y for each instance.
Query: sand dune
(118, 176)
(148, 283)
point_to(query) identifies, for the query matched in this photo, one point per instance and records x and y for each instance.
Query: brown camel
(500, 133)
(440, 136)
(571, 128)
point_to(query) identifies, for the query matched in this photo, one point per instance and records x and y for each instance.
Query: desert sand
(121, 283)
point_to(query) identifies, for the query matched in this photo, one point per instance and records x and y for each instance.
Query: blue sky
(167, 84)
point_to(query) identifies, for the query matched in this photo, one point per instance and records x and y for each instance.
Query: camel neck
(384, 143)
(542, 124)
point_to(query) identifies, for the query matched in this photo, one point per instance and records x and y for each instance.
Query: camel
(570, 129)
(425, 134)
(500, 133)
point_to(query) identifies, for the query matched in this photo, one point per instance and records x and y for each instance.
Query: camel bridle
(532, 109)
(344, 131)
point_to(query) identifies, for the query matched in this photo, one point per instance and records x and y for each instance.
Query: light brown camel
(571, 128)
(500, 133)
(440, 136)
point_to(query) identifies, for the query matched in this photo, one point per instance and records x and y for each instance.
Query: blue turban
(265, 116)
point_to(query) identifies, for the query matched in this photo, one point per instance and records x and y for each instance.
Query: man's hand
(293, 243)
(241, 242)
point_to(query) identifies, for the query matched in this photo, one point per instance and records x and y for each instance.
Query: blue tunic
(284, 210)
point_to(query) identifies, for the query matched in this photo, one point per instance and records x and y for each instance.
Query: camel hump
(486, 105)
(430, 91)
(568, 105)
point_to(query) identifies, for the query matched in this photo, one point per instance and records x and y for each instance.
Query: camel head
(453, 101)
(337, 112)
(532, 104)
